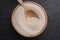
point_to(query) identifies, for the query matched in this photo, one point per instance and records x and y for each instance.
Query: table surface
(52, 31)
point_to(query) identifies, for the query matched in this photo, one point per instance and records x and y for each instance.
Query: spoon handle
(21, 2)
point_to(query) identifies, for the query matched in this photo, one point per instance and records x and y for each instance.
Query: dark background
(52, 31)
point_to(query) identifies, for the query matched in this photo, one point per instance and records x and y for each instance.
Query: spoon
(22, 3)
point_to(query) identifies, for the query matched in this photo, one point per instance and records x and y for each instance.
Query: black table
(52, 31)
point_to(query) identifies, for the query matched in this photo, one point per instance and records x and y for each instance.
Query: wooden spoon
(22, 3)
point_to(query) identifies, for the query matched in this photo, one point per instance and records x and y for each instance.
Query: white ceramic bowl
(32, 26)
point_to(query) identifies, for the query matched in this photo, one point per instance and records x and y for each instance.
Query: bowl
(30, 23)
